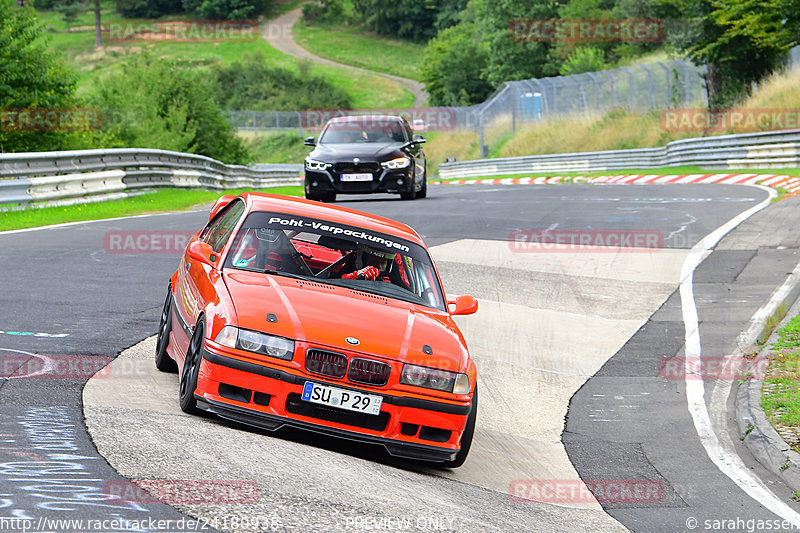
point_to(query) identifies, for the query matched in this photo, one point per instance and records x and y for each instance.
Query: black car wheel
(164, 362)
(191, 367)
(466, 438)
(423, 192)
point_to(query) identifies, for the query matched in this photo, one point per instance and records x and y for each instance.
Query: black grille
(361, 167)
(369, 371)
(329, 364)
(296, 405)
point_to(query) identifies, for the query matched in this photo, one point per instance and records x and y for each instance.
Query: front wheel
(423, 192)
(191, 367)
(164, 362)
(466, 437)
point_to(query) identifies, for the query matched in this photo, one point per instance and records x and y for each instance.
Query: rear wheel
(466, 438)
(164, 362)
(191, 367)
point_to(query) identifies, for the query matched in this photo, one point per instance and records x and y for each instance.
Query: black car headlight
(400, 162)
(253, 341)
(313, 164)
(432, 378)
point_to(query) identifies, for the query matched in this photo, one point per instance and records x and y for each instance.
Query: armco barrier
(776, 149)
(62, 178)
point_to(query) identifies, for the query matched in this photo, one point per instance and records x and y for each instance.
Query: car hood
(330, 153)
(327, 315)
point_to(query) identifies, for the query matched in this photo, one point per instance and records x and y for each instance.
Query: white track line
(729, 463)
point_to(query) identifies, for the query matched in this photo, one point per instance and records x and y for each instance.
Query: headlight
(312, 164)
(400, 162)
(253, 341)
(431, 378)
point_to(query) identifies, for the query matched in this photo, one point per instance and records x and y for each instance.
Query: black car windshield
(362, 130)
(337, 254)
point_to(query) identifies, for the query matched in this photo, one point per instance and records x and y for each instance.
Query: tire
(328, 197)
(408, 195)
(164, 362)
(466, 437)
(191, 367)
(423, 192)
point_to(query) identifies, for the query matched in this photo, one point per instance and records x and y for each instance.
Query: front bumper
(268, 398)
(385, 180)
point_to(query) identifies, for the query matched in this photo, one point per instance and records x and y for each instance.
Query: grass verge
(644, 172)
(163, 200)
(352, 45)
(780, 397)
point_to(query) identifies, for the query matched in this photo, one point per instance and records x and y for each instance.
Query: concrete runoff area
(531, 355)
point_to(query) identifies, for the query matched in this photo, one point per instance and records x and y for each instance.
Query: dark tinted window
(219, 230)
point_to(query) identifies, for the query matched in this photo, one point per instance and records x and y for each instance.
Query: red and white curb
(790, 183)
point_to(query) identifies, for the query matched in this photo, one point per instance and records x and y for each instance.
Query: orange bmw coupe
(289, 312)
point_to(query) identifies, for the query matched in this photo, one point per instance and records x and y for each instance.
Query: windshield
(294, 246)
(362, 130)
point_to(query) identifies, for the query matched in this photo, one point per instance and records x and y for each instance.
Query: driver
(371, 264)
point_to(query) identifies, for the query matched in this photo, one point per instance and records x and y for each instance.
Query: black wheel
(329, 197)
(466, 438)
(423, 192)
(410, 195)
(164, 362)
(191, 367)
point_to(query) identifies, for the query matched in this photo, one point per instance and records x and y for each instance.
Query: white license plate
(343, 399)
(361, 176)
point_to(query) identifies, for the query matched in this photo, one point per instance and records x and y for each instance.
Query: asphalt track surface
(63, 294)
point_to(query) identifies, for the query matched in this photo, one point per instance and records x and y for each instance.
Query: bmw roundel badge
(353, 341)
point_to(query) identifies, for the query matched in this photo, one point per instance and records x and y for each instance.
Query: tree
(32, 77)
(69, 12)
(158, 103)
(409, 19)
(224, 9)
(734, 58)
(583, 59)
(453, 66)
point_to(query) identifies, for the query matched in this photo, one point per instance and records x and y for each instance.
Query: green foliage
(410, 19)
(148, 8)
(255, 85)
(583, 59)
(69, 11)
(32, 78)
(452, 67)
(158, 103)
(323, 10)
(285, 147)
(734, 58)
(224, 9)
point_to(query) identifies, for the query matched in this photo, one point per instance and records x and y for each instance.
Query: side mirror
(418, 139)
(464, 305)
(310, 141)
(219, 204)
(202, 251)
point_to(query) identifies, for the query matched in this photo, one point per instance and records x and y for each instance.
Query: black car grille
(361, 167)
(329, 364)
(369, 371)
(296, 405)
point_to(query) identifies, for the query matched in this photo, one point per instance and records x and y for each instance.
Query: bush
(251, 84)
(158, 103)
(147, 8)
(224, 9)
(453, 65)
(583, 59)
(323, 11)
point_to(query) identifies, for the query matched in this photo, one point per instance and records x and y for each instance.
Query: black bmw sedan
(363, 154)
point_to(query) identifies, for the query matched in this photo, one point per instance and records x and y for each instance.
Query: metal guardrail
(38, 179)
(776, 149)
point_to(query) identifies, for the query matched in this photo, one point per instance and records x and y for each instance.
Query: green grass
(781, 394)
(77, 47)
(285, 147)
(648, 171)
(352, 45)
(163, 200)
